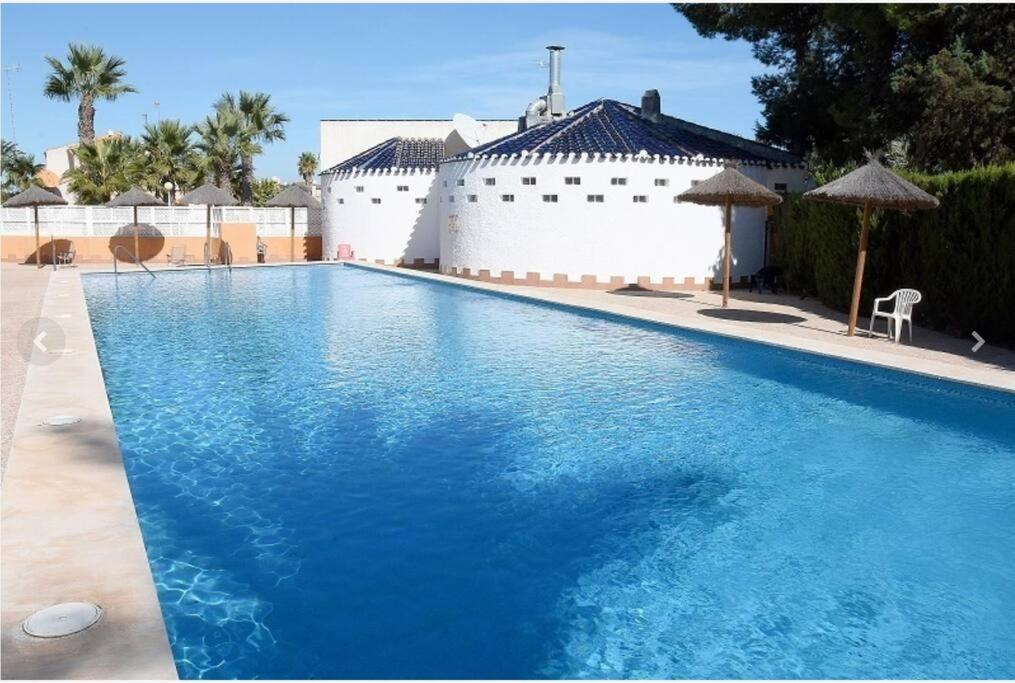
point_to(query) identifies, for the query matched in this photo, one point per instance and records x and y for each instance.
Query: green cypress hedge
(960, 256)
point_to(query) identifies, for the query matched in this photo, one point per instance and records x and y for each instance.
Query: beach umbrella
(35, 197)
(729, 188)
(210, 196)
(872, 186)
(135, 197)
(293, 196)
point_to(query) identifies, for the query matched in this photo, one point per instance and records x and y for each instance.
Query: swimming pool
(344, 473)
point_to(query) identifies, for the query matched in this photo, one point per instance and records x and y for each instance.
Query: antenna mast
(10, 96)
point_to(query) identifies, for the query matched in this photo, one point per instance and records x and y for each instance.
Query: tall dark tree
(89, 74)
(849, 77)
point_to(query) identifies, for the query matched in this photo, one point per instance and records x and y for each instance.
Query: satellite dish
(468, 129)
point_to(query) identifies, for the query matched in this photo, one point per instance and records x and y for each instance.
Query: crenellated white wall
(397, 229)
(659, 239)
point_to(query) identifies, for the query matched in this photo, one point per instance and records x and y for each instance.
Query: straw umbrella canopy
(209, 195)
(293, 196)
(871, 186)
(35, 197)
(729, 188)
(135, 197)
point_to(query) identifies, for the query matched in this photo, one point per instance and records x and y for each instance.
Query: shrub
(961, 256)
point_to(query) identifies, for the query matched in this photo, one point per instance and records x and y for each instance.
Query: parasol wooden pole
(861, 260)
(137, 243)
(726, 256)
(38, 247)
(292, 234)
(207, 243)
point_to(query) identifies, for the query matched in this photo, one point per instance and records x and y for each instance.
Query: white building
(379, 203)
(589, 199)
(342, 139)
(575, 198)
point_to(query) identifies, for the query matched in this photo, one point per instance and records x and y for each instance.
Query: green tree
(105, 168)
(219, 146)
(307, 168)
(261, 124)
(170, 156)
(843, 78)
(956, 93)
(264, 189)
(17, 169)
(89, 75)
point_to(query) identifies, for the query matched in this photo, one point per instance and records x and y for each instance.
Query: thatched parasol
(871, 186)
(35, 197)
(727, 188)
(293, 196)
(210, 196)
(135, 197)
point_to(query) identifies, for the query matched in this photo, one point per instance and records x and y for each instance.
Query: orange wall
(241, 237)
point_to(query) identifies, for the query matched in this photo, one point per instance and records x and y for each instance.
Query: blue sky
(369, 61)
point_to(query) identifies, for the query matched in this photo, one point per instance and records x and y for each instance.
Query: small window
(618, 181)
(403, 188)
(460, 182)
(594, 199)
(359, 188)
(451, 199)
(421, 200)
(375, 200)
(445, 183)
(489, 181)
(473, 198)
(572, 180)
(528, 180)
(780, 187)
(662, 182)
(507, 197)
(640, 199)
(341, 201)
(550, 198)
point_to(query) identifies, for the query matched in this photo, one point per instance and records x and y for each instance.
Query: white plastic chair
(904, 299)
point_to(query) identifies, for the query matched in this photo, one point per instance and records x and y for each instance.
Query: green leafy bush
(960, 256)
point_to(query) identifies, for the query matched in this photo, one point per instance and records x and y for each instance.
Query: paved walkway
(22, 288)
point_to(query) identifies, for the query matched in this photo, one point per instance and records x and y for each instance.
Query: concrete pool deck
(70, 531)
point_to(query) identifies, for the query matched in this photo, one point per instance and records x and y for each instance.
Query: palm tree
(169, 157)
(18, 170)
(307, 167)
(89, 75)
(261, 123)
(219, 147)
(105, 168)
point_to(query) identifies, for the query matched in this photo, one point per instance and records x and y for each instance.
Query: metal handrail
(229, 256)
(116, 269)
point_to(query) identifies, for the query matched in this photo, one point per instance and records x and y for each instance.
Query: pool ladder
(228, 256)
(133, 257)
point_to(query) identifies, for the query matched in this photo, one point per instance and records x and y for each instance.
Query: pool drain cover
(62, 620)
(61, 420)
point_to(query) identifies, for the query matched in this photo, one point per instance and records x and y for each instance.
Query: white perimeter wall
(397, 229)
(616, 238)
(342, 139)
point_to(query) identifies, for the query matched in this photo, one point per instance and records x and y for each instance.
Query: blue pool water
(344, 473)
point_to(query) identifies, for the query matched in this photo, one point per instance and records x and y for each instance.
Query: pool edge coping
(70, 528)
(882, 360)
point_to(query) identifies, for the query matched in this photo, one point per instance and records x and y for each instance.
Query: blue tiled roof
(611, 127)
(395, 153)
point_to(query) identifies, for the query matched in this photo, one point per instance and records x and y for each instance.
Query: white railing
(171, 221)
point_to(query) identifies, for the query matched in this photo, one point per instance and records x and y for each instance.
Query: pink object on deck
(345, 251)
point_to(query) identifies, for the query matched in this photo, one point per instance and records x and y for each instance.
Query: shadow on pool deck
(750, 316)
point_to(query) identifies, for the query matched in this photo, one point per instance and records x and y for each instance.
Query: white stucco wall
(659, 239)
(342, 139)
(397, 229)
